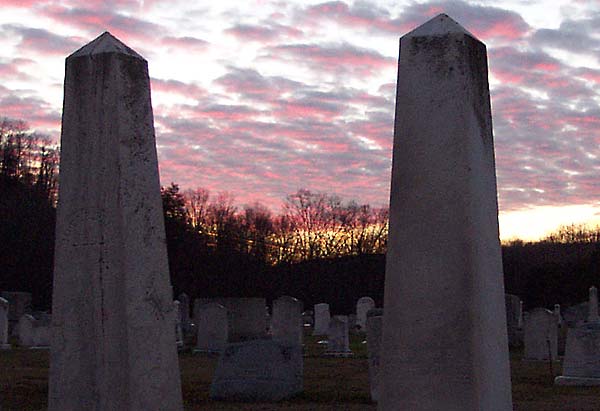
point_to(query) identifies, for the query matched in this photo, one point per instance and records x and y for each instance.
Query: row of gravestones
(31, 328)
(256, 366)
(542, 331)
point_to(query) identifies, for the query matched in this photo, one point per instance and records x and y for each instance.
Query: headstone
(374, 322)
(184, 307)
(338, 341)
(557, 314)
(112, 312)
(363, 305)
(211, 327)
(33, 333)
(322, 319)
(25, 330)
(307, 318)
(541, 335)
(19, 303)
(593, 306)
(246, 316)
(258, 370)
(513, 319)
(287, 320)
(4, 345)
(444, 294)
(177, 322)
(581, 365)
(576, 314)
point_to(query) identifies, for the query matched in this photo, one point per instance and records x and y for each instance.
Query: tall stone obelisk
(444, 339)
(113, 341)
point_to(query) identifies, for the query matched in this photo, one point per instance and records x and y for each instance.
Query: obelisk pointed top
(440, 25)
(105, 43)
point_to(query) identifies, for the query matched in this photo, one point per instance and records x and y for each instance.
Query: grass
(329, 383)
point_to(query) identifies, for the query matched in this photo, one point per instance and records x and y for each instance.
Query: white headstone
(286, 323)
(338, 341)
(211, 327)
(374, 322)
(246, 316)
(19, 303)
(112, 312)
(4, 345)
(541, 335)
(363, 305)
(322, 319)
(581, 365)
(258, 370)
(26, 331)
(444, 293)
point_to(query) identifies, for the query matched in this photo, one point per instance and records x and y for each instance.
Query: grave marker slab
(322, 318)
(287, 322)
(363, 305)
(540, 335)
(212, 327)
(258, 370)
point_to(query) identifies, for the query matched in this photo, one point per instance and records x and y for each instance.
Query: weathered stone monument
(211, 327)
(337, 337)
(363, 305)
(287, 322)
(25, 330)
(19, 303)
(322, 319)
(513, 319)
(33, 332)
(4, 345)
(374, 322)
(581, 365)
(245, 316)
(444, 330)
(112, 315)
(540, 335)
(258, 370)
(184, 307)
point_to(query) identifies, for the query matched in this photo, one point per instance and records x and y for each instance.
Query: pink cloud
(334, 58)
(177, 87)
(262, 33)
(186, 43)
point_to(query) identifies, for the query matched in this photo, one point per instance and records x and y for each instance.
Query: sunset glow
(261, 98)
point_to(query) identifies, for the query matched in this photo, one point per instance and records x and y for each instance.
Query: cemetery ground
(329, 383)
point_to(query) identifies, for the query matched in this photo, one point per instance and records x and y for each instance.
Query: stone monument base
(576, 381)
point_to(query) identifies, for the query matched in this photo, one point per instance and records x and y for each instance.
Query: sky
(261, 98)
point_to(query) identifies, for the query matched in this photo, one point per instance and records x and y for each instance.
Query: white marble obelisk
(112, 324)
(444, 338)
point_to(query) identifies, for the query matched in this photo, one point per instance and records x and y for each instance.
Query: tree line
(318, 248)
